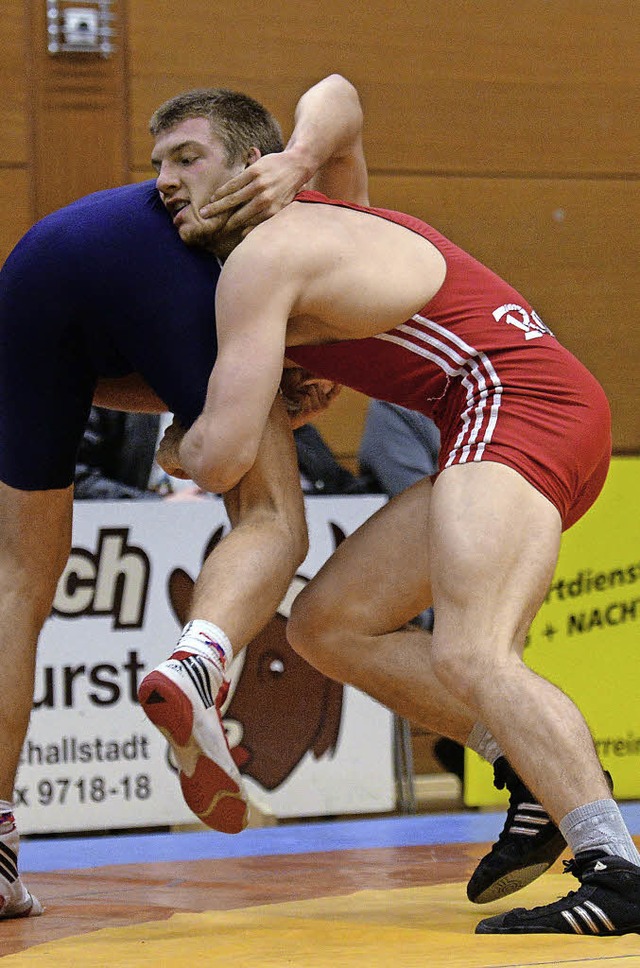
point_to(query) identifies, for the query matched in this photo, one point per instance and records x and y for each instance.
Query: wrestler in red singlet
(480, 362)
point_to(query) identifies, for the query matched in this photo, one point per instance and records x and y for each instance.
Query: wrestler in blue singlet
(103, 287)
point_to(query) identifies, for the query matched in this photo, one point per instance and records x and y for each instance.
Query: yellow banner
(586, 636)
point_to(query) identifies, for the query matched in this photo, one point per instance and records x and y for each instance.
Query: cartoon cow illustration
(278, 707)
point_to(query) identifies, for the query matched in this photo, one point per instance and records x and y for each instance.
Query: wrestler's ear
(252, 156)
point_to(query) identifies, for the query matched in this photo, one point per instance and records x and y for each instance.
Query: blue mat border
(69, 853)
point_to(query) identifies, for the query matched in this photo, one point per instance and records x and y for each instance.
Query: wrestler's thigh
(379, 577)
(494, 548)
(45, 398)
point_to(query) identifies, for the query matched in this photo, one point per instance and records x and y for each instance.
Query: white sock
(482, 742)
(599, 826)
(7, 823)
(207, 640)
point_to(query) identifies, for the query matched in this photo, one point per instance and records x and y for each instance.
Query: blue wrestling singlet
(102, 287)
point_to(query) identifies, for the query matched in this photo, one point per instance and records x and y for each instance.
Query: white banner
(306, 746)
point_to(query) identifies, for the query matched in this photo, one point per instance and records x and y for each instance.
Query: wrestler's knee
(314, 630)
(36, 542)
(30, 588)
(467, 668)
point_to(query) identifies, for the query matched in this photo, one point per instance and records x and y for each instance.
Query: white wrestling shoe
(182, 697)
(15, 899)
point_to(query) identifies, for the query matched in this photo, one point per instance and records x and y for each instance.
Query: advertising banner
(306, 745)
(586, 637)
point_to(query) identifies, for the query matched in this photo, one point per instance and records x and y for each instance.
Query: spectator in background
(116, 455)
(116, 460)
(320, 471)
(398, 446)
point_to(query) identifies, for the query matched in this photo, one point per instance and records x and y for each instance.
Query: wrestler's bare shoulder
(338, 248)
(348, 230)
(337, 273)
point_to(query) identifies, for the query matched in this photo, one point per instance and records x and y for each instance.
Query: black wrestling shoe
(607, 902)
(529, 843)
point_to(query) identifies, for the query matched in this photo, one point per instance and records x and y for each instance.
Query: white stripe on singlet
(480, 380)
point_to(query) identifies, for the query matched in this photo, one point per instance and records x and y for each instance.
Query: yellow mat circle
(428, 927)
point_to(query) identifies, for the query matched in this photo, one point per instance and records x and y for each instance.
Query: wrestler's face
(191, 163)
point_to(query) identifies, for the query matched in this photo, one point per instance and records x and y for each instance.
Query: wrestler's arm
(247, 575)
(256, 292)
(340, 169)
(325, 152)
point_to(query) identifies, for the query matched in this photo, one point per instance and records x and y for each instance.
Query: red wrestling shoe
(182, 697)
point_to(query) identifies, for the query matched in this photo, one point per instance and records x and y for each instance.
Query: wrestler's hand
(305, 395)
(258, 192)
(167, 455)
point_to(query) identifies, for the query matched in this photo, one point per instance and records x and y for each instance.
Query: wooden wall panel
(15, 217)
(468, 86)
(16, 213)
(14, 118)
(80, 107)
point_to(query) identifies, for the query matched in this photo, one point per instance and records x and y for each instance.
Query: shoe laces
(585, 866)
(572, 867)
(504, 776)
